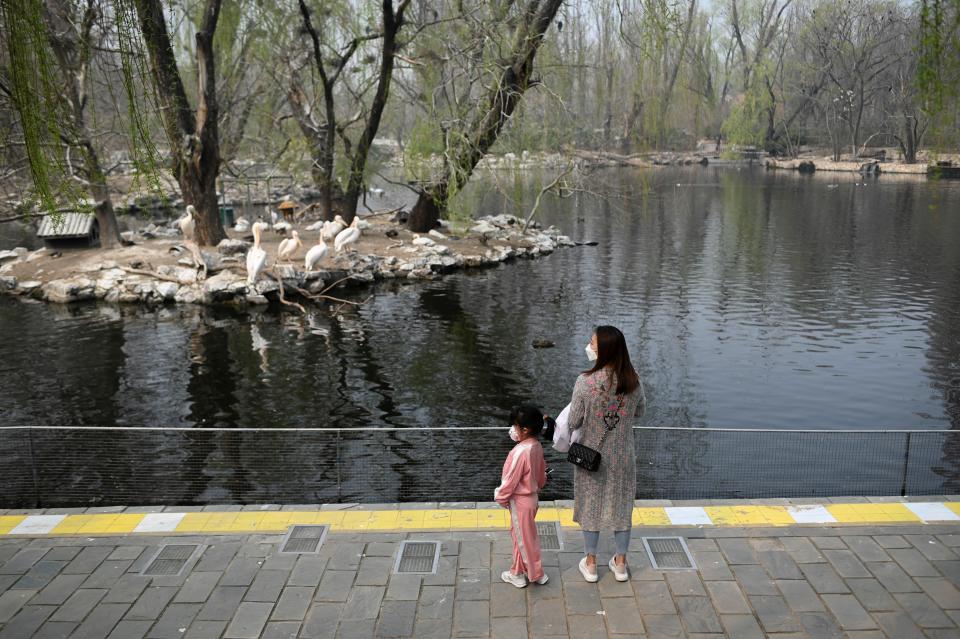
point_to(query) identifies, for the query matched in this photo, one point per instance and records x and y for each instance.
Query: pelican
(273, 215)
(316, 253)
(256, 257)
(282, 227)
(288, 247)
(242, 225)
(347, 236)
(332, 229)
(188, 223)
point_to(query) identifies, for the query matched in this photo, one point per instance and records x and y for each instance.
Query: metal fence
(74, 466)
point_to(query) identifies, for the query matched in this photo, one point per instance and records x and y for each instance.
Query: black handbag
(589, 458)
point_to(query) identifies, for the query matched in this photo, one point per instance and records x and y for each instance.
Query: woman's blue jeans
(591, 541)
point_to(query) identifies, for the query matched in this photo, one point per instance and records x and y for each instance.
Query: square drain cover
(550, 537)
(418, 558)
(303, 539)
(668, 553)
(170, 560)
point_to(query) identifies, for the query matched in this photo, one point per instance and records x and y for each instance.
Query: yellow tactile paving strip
(468, 519)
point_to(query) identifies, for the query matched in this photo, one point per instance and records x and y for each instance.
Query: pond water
(749, 299)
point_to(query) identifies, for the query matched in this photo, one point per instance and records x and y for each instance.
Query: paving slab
(826, 581)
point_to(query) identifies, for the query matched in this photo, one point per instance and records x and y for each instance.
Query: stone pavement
(896, 581)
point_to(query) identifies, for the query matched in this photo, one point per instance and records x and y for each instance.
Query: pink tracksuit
(524, 475)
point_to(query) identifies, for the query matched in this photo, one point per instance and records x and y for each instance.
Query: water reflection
(749, 299)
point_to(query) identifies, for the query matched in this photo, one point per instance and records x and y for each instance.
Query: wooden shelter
(69, 230)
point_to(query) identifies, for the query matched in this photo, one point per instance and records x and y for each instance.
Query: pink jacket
(524, 472)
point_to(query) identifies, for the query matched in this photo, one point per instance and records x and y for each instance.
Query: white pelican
(288, 247)
(188, 223)
(316, 253)
(242, 225)
(330, 230)
(347, 236)
(263, 226)
(282, 227)
(256, 257)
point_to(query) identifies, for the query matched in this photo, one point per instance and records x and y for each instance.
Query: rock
(9, 256)
(21, 251)
(183, 275)
(256, 300)
(36, 255)
(188, 295)
(127, 236)
(437, 234)
(8, 282)
(423, 241)
(484, 228)
(29, 286)
(223, 286)
(287, 272)
(232, 247)
(69, 290)
(392, 233)
(167, 290)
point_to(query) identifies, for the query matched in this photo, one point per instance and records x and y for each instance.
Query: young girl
(524, 475)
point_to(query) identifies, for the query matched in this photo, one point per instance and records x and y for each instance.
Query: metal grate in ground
(668, 553)
(170, 560)
(551, 536)
(417, 558)
(303, 539)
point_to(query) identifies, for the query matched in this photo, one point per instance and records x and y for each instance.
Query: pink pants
(526, 541)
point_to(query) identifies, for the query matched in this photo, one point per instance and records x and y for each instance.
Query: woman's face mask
(591, 354)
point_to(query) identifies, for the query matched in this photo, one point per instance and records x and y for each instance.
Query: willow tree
(50, 48)
(512, 77)
(191, 133)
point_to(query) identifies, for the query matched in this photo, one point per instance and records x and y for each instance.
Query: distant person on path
(604, 399)
(524, 476)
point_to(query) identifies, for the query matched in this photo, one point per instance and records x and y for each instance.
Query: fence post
(906, 463)
(33, 469)
(339, 492)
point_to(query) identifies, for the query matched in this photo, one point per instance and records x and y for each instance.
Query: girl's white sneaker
(618, 573)
(591, 577)
(542, 580)
(520, 581)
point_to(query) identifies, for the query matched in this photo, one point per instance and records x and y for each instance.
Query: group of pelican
(337, 230)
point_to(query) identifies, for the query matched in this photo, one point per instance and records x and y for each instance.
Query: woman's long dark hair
(612, 352)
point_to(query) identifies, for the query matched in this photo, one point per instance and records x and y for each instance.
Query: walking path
(81, 575)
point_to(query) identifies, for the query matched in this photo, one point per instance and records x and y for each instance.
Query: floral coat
(603, 499)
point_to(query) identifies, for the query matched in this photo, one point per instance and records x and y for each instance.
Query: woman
(604, 399)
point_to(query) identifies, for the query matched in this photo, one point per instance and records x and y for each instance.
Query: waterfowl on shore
(347, 236)
(188, 223)
(376, 192)
(242, 225)
(315, 254)
(330, 230)
(288, 247)
(256, 257)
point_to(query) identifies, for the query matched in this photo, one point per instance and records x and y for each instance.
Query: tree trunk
(193, 137)
(910, 141)
(355, 184)
(103, 205)
(501, 101)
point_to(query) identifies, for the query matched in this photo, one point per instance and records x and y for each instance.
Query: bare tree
(192, 134)
(501, 100)
(74, 32)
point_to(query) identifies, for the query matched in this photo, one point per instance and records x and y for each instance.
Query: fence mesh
(51, 467)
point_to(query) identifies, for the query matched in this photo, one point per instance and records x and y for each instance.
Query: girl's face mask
(591, 354)
(514, 435)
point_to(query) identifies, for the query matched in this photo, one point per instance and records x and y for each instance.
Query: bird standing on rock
(256, 257)
(288, 247)
(188, 223)
(315, 254)
(347, 236)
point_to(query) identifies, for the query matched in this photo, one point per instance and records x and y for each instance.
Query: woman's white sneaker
(620, 574)
(591, 577)
(520, 581)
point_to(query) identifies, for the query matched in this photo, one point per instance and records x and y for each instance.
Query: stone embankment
(865, 166)
(159, 268)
